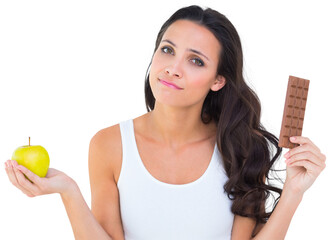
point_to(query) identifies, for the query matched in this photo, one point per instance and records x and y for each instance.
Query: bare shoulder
(106, 143)
(104, 156)
(109, 133)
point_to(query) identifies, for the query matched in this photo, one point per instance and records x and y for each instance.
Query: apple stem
(29, 141)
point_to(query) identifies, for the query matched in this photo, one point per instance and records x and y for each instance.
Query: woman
(195, 165)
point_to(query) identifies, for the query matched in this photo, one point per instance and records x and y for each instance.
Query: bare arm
(105, 156)
(276, 226)
(304, 164)
(84, 224)
(278, 223)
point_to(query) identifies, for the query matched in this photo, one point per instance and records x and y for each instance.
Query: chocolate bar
(294, 111)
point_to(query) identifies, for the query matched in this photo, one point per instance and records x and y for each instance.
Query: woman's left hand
(304, 164)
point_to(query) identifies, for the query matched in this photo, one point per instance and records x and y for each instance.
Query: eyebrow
(189, 49)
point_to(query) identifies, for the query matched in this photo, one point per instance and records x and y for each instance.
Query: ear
(219, 83)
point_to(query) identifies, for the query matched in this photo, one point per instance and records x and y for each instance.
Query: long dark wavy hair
(245, 145)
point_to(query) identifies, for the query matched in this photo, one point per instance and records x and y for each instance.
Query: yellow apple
(34, 158)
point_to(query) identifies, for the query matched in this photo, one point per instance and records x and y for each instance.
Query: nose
(173, 70)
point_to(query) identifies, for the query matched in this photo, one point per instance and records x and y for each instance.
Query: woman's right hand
(54, 182)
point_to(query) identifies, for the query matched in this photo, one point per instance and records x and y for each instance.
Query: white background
(70, 68)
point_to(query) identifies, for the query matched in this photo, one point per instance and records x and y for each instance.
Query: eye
(198, 62)
(167, 50)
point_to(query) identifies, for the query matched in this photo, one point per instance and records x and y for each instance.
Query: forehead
(188, 34)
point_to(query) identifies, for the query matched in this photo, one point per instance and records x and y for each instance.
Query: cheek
(199, 80)
(157, 60)
(199, 85)
(155, 66)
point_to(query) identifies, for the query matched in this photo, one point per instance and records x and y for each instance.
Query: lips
(171, 85)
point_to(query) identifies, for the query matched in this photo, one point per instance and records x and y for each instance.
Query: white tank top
(155, 210)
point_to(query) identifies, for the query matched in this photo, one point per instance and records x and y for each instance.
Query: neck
(176, 127)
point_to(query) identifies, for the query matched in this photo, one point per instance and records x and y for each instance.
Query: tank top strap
(127, 135)
(130, 155)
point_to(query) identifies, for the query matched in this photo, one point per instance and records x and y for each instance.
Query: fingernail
(292, 138)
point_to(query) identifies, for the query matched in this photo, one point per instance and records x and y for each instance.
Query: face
(186, 57)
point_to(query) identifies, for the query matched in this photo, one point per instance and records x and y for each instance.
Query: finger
(302, 140)
(309, 156)
(33, 177)
(26, 183)
(13, 179)
(305, 148)
(307, 142)
(21, 179)
(310, 167)
(11, 175)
